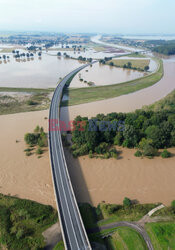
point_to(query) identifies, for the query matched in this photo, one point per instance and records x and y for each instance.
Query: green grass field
(135, 55)
(108, 213)
(28, 90)
(162, 235)
(122, 238)
(120, 213)
(90, 94)
(59, 246)
(22, 223)
(141, 63)
(125, 239)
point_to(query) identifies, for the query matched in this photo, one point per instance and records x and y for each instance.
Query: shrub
(31, 138)
(28, 153)
(102, 148)
(165, 154)
(127, 202)
(90, 154)
(138, 153)
(111, 208)
(39, 151)
(113, 153)
(146, 147)
(118, 139)
(30, 102)
(37, 129)
(82, 150)
(106, 155)
(173, 204)
(146, 68)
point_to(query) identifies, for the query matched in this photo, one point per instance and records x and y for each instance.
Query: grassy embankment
(136, 54)
(122, 238)
(38, 100)
(22, 223)
(167, 103)
(108, 213)
(139, 64)
(162, 235)
(82, 95)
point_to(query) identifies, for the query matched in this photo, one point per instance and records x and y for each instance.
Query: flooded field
(43, 72)
(126, 103)
(91, 53)
(100, 74)
(47, 70)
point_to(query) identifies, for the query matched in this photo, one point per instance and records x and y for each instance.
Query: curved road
(74, 234)
(133, 225)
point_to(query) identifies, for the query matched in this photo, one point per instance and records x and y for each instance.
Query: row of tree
(4, 57)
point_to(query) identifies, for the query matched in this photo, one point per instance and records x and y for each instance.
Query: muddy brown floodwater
(127, 103)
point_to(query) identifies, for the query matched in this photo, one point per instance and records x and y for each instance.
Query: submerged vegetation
(37, 139)
(81, 95)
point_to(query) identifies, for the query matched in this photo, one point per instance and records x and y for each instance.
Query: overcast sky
(110, 16)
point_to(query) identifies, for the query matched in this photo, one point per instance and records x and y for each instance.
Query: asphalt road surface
(74, 234)
(133, 225)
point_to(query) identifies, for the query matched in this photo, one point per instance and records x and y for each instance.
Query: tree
(39, 151)
(153, 133)
(127, 202)
(165, 154)
(37, 129)
(131, 136)
(146, 68)
(129, 64)
(138, 153)
(118, 139)
(173, 204)
(146, 147)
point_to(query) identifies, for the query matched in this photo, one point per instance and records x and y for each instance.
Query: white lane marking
(55, 96)
(72, 200)
(52, 141)
(63, 188)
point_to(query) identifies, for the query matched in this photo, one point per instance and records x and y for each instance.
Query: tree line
(147, 131)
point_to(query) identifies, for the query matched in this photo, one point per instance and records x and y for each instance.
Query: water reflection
(101, 74)
(35, 72)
